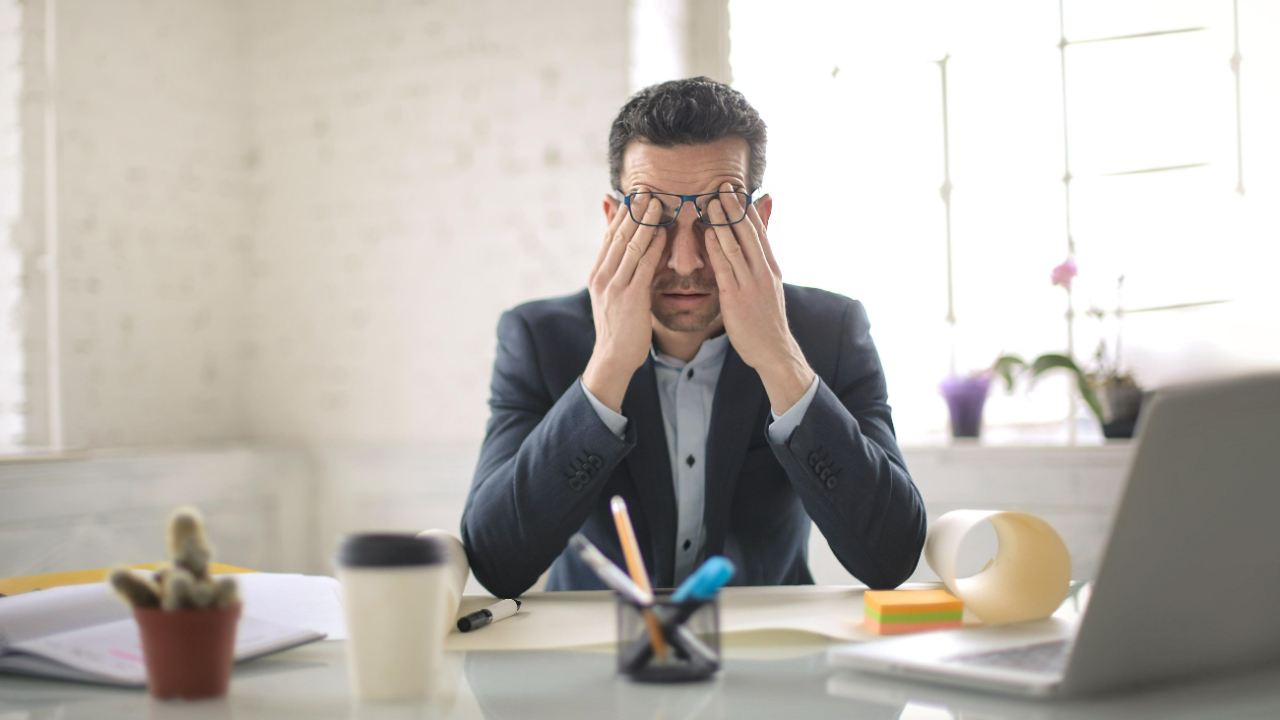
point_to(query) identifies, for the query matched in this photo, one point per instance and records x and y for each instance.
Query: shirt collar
(712, 352)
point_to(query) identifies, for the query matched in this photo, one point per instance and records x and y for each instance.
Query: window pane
(852, 95)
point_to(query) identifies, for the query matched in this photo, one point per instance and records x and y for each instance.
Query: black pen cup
(690, 639)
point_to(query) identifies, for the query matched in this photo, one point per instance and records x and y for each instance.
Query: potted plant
(186, 618)
(966, 395)
(1112, 394)
(1008, 367)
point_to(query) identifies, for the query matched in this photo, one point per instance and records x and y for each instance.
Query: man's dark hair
(695, 111)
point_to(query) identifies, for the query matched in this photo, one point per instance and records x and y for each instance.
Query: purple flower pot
(965, 397)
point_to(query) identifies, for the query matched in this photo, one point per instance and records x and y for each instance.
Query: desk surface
(772, 680)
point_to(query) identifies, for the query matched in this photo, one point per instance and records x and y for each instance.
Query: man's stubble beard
(691, 320)
(685, 320)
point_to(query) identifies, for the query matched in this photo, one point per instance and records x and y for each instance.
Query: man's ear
(610, 207)
(764, 206)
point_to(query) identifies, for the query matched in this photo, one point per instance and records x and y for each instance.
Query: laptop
(1190, 581)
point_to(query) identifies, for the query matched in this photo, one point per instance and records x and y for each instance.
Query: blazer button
(596, 461)
(825, 474)
(579, 480)
(813, 459)
(831, 483)
(821, 467)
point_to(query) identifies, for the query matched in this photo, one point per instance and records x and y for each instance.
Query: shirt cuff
(612, 420)
(781, 427)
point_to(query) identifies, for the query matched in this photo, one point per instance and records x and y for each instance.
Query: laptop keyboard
(1050, 657)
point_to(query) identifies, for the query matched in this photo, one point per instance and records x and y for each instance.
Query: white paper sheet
(585, 620)
(44, 612)
(1026, 580)
(310, 602)
(313, 602)
(113, 652)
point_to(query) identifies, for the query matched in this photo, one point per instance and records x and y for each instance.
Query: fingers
(729, 243)
(618, 243)
(638, 244)
(746, 233)
(725, 278)
(614, 223)
(755, 219)
(648, 264)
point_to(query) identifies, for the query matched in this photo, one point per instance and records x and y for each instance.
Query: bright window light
(852, 94)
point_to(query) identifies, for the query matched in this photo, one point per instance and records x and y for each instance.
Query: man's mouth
(685, 300)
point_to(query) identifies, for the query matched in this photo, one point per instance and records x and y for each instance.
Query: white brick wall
(154, 222)
(419, 167)
(296, 219)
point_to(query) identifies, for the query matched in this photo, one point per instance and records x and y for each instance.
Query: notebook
(84, 633)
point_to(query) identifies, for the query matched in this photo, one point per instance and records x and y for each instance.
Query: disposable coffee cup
(393, 593)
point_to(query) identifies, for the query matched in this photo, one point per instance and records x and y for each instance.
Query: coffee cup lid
(390, 550)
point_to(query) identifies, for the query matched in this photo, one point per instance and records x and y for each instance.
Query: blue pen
(706, 581)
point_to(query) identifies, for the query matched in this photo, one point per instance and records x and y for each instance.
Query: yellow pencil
(635, 566)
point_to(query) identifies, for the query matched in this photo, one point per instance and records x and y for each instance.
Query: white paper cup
(393, 595)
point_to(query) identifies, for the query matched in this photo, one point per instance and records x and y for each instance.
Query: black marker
(500, 610)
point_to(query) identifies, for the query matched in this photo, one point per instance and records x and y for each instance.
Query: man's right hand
(620, 302)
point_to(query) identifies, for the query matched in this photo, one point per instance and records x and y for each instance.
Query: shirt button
(687, 544)
(690, 373)
(689, 461)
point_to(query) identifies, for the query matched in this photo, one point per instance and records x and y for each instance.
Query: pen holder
(690, 632)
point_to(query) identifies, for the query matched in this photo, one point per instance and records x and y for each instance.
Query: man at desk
(726, 407)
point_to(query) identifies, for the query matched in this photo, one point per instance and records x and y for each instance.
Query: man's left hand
(753, 307)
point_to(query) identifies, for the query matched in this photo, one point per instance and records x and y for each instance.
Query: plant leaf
(1049, 361)
(1005, 366)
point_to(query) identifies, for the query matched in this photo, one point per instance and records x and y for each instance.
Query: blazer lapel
(734, 417)
(650, 466)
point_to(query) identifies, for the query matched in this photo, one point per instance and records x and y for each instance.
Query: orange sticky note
(900, 602)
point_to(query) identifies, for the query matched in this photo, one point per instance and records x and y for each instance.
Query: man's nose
(686, 244)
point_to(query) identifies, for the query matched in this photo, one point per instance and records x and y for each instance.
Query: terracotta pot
(188, 653)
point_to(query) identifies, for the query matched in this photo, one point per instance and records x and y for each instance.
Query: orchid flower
(1063, 274)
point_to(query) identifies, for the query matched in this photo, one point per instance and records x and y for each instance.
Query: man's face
(684, 295)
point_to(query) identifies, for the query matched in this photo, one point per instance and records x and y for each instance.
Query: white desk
(790, 681)
(771, 674)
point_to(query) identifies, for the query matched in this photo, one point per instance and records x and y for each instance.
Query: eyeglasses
(734, 205)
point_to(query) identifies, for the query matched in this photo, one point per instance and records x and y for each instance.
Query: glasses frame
(626, 200)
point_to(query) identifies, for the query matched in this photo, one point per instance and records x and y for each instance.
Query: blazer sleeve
(844, 462)
(542, 467)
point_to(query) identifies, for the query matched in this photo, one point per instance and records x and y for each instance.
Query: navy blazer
(549, 465)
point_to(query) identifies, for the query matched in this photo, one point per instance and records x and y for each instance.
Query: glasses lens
(733, 204)
(640, 204)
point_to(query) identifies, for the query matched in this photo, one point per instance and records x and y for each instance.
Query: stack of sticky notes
(896, 612)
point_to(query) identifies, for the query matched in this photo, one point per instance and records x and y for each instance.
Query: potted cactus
(186, 618)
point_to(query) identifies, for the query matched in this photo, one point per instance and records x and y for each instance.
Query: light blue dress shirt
(686, 392)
